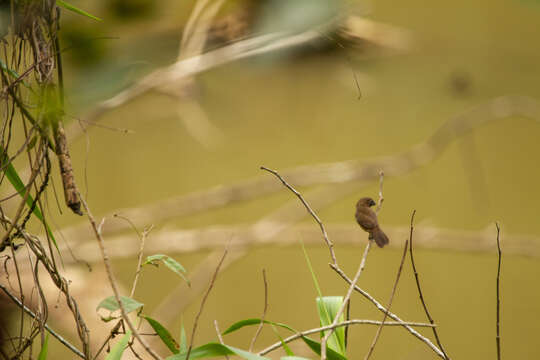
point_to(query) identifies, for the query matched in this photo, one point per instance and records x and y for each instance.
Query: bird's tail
(379, 236)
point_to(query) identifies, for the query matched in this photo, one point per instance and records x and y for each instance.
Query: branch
(334, 326)
(196, 322)
(311, 212)
(259, 328)
(499, 255)
(420, 290)
(112, 281)
(51, 331)
(393, 316)
(379, 330)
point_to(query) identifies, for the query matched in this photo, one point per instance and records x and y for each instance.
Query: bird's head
(366, 201)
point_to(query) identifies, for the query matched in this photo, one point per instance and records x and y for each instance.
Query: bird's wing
(367, 219)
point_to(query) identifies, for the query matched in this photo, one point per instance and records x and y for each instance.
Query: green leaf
(248, 322)
(216, 349)
(286, 347)
(70, 7)
(172, 264)
(17, 183)
(328, 307)
(12, 73)
(119, 347)
(164, 335)
(293, 358)
(183, 339)
(316, 347)
(43, 352)
(111, 304)
(313, 276)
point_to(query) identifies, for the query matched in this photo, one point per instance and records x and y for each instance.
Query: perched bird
(367, 219)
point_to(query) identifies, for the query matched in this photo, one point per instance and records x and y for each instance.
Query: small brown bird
(367, 219)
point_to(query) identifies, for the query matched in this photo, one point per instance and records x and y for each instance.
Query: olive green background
(289, 111)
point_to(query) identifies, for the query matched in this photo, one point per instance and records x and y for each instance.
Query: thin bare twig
(390, 314)
(379, 330)
(259, 328)
(499, 255)
(145, 233)
(110, 275)
(311, 212)
(210, 286)
(420, 289)
(220, 338)
(341, 324)
(51, 331)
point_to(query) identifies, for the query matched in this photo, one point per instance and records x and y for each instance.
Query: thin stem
(212, 281)
(259, 328)
(311, 212)
(110, 275)
(420, 289)
(47, 327)
(379, 330)
(341, 324)
(499, 255)
(384, 310)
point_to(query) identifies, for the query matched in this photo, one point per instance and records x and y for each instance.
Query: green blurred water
(283, 114)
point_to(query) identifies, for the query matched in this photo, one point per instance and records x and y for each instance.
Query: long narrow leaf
(44, 349)
(214, 350)
(248, 322)
(17, 183)
(183, 339)
(316, 347)
(164, 335)
(119, 347)
(284, 345)
(76, 10)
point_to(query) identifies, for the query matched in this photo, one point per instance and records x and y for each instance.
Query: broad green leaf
(316, 347)
(168, 261)
(248, 322)
(111, 304)
(216, 349)
(76, 10)
(164, 335)
(328, 307)
(118, 349)
(17, 183)
(293, 358)
(183, 339)
(44, 349)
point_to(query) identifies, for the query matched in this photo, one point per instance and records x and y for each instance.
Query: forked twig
(210, 286)
(379, 330)
(420, 289)
(390, 314)
(499, 255)
(259, 328)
